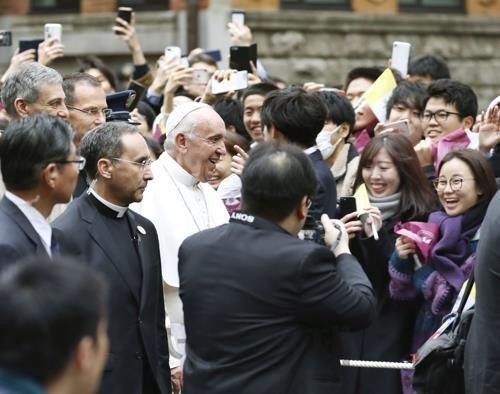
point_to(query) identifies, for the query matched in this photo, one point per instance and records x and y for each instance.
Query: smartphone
(240, 57)
(400, 56)
(347, 205)
(25, 45)
(214, 54)
(236, 82)
(5, 38)
(124, 13)
(200, 77)
(52, 30)
(401, 127)
(238, 17)
(173, 53)
(184, 61)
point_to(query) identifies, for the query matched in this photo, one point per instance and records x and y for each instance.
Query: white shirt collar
(39, 223)
(310, 150)
(120, 211)
(176, 171)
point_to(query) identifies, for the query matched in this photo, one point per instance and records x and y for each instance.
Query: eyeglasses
(440, 116)
(81, 162)
(93, 111)
(142, 164)
(455, 183)
(214, 140)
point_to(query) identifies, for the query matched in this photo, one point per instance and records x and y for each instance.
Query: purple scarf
(451, 256)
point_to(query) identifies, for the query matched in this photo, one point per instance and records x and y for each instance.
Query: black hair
(145, 110)
(47, 307)
(298, 115)
(88, 62)
(456, 93)
(275, 179)
(369, 73)
(231, 112)
(429, 66)
(28, 145)
(259, 89)
(154, 146)
(409, 94)
(104, 141)
(70, 81)
(339, 109)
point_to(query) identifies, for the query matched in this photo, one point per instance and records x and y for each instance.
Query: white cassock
(179, 206)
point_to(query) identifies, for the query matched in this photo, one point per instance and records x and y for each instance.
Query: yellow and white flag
(379, 94)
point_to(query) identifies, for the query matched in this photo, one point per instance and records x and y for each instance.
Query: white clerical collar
(120, 211)
(310, 150)
(39, 223)
(176, 171)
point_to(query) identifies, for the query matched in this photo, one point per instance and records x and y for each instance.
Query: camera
(312, 230)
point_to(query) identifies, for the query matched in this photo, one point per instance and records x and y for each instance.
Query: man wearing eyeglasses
(86, 102)
(39, 167)
(99, 228)
(451, 107)
(180, 202)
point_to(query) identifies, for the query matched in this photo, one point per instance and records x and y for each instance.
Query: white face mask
(323, 141)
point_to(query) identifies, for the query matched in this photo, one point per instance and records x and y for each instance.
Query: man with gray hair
(180, 203)
(34, 88)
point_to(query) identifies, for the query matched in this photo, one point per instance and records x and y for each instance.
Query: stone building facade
(296, 45)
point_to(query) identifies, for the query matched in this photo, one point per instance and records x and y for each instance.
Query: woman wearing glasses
(465, 186)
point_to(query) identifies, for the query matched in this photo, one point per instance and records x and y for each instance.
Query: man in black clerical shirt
(100, 229)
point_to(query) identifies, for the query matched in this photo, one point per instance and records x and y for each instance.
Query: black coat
(325, 200)
(136, 321)
(18, 238)
(482, 351)
(389, 336)
(261, 309)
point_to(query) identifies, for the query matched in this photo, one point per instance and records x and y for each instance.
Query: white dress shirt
(39, 223)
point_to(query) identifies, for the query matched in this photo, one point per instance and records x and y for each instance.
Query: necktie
(54, 246)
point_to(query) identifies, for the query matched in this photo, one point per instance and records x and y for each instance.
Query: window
(52, 6)
(144, 5)
(319, 4)
(432, 5)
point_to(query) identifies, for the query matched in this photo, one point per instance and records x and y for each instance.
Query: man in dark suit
(39, 167)
(482, 349)
(99, 228)
(296, 117)
(261, 307)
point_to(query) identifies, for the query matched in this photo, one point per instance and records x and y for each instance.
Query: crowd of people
(158, 238)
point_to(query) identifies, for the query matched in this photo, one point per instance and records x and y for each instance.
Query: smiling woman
(398, 191)
(465, 186)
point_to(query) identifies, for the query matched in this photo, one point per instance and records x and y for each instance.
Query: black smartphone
(347, 205)
(124, 13)
(240, 57)
(25, 45)
(5, 38)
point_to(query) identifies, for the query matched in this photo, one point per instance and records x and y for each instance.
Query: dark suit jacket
(326, 197)
(261, 307)
(132, 319)
(482, 350)
(18, 238)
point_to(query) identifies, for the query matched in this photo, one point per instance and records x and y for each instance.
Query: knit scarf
(389, 205)
(451, 256)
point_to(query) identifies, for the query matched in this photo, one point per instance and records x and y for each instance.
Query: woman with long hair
(465, 186)
(398, 192)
